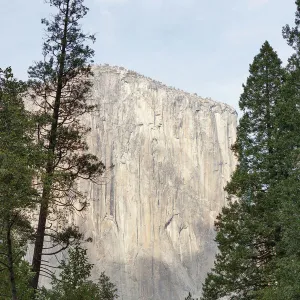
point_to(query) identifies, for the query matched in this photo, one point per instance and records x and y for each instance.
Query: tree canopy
(60, 88)
(258, 232)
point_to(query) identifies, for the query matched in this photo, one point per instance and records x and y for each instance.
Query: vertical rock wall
(152, 215)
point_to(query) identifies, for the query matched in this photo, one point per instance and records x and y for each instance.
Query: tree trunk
(39, 240)
(40, 233)
(11, 263)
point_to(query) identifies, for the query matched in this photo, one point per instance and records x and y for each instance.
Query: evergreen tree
(19, 158)
(74, 283)
(106, 289)
(248, 229)
(60, 89)
(287, 263)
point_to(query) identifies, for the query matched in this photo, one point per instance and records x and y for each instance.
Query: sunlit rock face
(152, 216)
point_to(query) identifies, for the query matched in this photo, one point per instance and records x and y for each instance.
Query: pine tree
(60, 88)
(287, 263)
(74, 283)
(248, 229)
(106, 289)
(19, 160)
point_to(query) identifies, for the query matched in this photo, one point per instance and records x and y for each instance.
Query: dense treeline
(43, 153)
(258, 233)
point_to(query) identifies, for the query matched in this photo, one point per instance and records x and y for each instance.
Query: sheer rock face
(152, 217)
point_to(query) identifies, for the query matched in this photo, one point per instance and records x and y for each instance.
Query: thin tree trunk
(40, 233)
(268, 114)
(11, 263)
(39, 240)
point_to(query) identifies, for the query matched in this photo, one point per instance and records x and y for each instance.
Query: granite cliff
(152, 217)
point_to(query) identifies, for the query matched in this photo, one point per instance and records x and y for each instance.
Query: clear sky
(201, 46)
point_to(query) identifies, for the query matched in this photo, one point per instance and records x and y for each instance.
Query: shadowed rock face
(152, 220)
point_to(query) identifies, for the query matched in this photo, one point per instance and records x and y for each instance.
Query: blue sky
(201, 46)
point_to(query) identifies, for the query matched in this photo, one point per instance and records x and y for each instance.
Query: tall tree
(19, 159)
(60, 88)
(247, 230)
(287, 263)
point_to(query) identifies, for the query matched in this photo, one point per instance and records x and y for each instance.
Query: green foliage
(60, 89)
(287, 262)
(258, 233)
(74, 283)
(19, 161)
(248, 230)
(106, 289)
(22, 275)
(18, 154)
